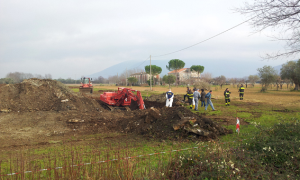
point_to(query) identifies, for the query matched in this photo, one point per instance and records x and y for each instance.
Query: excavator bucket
(86, 90)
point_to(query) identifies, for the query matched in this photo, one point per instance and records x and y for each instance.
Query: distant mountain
(216, 67)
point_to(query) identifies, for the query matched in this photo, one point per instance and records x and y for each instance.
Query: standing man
(203, 93)
(190, 98)
(185, 96)
(227, 97)
(241, 90)
(225, 91)
(208, 97)
(169, 96)
(196, 98)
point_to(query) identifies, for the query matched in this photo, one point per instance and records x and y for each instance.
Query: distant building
(143, 77)
(184, 74)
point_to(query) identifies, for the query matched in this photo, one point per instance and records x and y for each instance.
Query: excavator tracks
(112, 108)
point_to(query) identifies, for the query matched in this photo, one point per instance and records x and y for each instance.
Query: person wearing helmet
(227, 97)
(190, 97)
(169, 97)
(241, 91)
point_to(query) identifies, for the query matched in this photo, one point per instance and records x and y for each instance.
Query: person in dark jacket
(242, 90)
(203, 93)
(185, 96)
(227, 97)
(225, 92)
(190, 97)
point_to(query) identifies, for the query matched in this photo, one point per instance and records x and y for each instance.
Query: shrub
(202, 85)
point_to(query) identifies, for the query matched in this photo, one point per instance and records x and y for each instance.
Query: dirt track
(35, 111)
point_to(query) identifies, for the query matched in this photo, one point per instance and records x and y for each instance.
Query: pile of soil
(43, 95)
(159, 123)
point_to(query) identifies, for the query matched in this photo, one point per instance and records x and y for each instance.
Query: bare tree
(16, 77)
(221, 80)
(101, 80)
(48, 76)
(207, 77)
(113, 79)
(277, 14)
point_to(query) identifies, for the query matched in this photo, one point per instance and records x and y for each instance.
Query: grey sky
(68, 38)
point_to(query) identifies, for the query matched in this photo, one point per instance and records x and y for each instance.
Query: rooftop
(178, 71)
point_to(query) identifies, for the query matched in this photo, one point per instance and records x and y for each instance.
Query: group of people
(195, 96)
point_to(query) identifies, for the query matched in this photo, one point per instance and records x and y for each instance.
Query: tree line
(289, 73)
(18, 77)
(267, 76)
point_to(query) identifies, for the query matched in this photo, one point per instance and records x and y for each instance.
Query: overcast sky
(71, 38)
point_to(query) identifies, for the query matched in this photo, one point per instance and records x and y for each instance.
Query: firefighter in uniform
(227, 97)
(190, 96)
(242, 90)
(225, 92)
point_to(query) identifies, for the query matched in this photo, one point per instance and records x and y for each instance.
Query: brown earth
(35, 111)
(43, 95)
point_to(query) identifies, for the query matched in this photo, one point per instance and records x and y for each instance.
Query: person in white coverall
(169, 96)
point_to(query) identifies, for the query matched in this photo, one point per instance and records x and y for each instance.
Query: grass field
(262, 111)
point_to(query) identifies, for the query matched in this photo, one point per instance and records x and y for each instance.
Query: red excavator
(86, 85)
(122, 99)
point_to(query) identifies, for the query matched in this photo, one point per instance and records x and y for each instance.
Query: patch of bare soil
(102, 91)
(248, 104)
(227, 120)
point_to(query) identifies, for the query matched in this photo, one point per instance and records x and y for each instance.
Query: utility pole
(150, 75)
(126, 77)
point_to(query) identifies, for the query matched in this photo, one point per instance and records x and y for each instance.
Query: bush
(202, 85)
(278, 146)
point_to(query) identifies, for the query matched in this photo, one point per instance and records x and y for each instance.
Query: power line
(208, 38)
(141, 63)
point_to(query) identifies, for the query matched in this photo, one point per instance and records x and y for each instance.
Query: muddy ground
(35, 111)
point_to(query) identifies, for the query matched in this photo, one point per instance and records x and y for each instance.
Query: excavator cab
(86, 85)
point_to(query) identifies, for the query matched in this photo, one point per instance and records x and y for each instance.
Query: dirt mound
(43, 95)
(160, 123)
